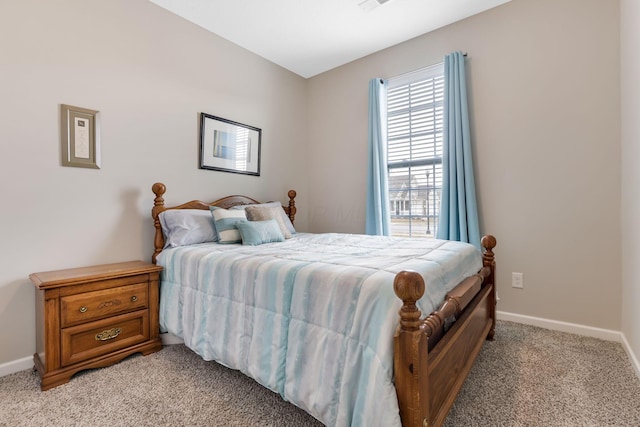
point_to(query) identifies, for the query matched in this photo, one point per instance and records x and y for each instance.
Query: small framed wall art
(80, 137)
(229, 146)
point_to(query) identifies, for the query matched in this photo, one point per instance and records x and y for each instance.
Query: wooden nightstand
(92, 317)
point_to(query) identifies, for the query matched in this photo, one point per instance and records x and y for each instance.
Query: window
(415, 108)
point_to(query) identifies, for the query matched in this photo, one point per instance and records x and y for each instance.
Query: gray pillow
(283, 214)
(262, 213)
(183, 227)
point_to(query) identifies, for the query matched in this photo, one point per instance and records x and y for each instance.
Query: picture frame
(229, 146)
(80, 137)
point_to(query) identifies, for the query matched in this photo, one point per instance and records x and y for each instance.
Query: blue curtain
(378, 220)
(458, 208)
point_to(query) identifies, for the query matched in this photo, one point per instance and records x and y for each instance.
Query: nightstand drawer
(88, 306)
(104, 336)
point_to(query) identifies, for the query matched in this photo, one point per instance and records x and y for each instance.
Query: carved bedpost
(292, 205)
(409, 287)
(410, 341)
(488, 243)
(158, 206)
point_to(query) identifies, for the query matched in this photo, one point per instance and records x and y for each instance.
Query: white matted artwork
(229, 146)
(80, 137)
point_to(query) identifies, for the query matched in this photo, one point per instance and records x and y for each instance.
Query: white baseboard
(16, 366)
(573, 328)
(632, 357)
(605, 334)
(27, 362)
(555, 325)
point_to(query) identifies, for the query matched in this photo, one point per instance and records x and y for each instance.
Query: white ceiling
(309, 37)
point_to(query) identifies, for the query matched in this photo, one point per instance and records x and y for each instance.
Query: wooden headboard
(226, 202)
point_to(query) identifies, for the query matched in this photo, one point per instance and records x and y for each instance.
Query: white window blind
(415, 107)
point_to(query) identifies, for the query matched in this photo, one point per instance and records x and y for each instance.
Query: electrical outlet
(517, 280)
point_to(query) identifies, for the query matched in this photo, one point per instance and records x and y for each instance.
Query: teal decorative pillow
(226, 222)
(258, 232)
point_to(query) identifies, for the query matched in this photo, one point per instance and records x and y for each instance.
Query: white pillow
(183, 227)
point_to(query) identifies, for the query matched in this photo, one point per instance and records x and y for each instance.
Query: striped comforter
(311, 318)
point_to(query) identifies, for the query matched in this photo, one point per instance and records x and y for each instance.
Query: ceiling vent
(369, 5)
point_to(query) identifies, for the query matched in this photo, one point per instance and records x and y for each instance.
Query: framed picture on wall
(229, 146)
(80, 137)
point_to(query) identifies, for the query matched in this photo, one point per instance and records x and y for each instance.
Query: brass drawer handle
(134, 298)
(108, 334)
(83, 309)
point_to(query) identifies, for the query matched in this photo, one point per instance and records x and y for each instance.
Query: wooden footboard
(430, 365)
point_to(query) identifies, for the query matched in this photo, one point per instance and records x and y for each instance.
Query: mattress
(311, 318)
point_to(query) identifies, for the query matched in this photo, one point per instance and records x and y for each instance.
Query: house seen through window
(415, 107)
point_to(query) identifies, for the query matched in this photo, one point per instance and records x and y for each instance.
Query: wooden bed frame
(432, 357)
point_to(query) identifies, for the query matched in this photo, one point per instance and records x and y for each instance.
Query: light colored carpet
(530, 376)
(526, 377)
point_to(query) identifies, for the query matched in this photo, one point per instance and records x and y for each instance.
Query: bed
(313, 317)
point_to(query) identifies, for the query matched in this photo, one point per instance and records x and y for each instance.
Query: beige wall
(630, 89)
(544, 79)
(545, 104)
(150, 73)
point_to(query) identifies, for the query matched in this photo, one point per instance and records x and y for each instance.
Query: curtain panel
(458, 218)
(378, 219)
